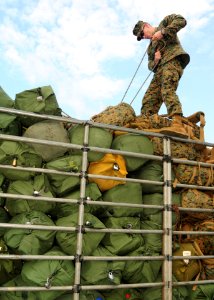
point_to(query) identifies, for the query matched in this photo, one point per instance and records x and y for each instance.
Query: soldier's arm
(172, 24)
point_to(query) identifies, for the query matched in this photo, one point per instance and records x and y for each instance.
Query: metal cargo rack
(167, 232)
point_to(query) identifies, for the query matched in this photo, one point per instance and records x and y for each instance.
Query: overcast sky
(86, 51)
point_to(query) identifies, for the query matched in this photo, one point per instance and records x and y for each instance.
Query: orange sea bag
(109, 165)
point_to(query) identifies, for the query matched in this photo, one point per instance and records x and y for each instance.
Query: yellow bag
(187, 269)
(109, 165)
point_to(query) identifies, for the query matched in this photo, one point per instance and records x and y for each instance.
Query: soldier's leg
(151, 102)
(170, 79)
(171, 75)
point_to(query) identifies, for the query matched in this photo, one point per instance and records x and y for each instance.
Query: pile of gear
(57, 184)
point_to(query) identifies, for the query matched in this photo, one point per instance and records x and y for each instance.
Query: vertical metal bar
(167, 222)
(77, 278)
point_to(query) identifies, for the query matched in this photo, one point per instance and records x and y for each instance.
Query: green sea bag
(138, 271)
(84, 295)
(98, 137)
(92, 193)
(63, 184)
(152, 171)
(102, 271)
(8, 268)
(8, 121)
(41, 100)
(153, 241)
(68, 240)
(30, 241)
(124, 193)
(154, 293)
(49, 273)
(37, 186)
(156, 214)
(48, 130)
(119, 294)
(133, 143)
(4, 218)
(18, 154)
(122, 243)
(201, 292)
(18, 295)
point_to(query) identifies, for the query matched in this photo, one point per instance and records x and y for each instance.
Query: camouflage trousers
(162, 89)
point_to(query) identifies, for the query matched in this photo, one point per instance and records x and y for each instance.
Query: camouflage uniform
(169, 70)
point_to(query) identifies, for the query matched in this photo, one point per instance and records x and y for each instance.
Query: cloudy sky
(86, 51)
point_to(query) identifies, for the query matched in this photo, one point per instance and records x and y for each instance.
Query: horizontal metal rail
(101, 258)
(100, 203)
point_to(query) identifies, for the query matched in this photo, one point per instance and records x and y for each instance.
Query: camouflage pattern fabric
(205, 242)
(193, 198)
(170, 68)
(154, 121)
(208, 266)
(162, 89)
(169, 46)
(118, 115)
(196, 175)
(178, 149)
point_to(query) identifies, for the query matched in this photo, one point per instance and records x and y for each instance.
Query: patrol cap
(137, 30)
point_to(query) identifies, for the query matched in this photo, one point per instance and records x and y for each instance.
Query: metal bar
(38, 198)
(191, 162)
(97, 203)
(193, 232)
(130, 231)
(40, 116)
(98, 258)
(36, 257)
(100, 125)
(77, 278)
(77, 147)
(193, 257)
(167, 224)
(40, 170)
(196, 282)
(35, 288)
(82, 287)
(83, 258)
(37, 227)
(120, 286)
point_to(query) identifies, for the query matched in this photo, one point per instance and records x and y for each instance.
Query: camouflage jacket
(169, 46)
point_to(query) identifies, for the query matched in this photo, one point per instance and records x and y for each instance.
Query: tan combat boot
(176, 129)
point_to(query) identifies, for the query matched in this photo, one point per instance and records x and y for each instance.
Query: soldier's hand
(157, 57)
(157, 36)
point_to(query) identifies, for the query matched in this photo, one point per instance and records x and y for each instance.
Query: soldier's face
(147, 31)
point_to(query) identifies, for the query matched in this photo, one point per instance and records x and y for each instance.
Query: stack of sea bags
(42, 273)
(120, 217)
